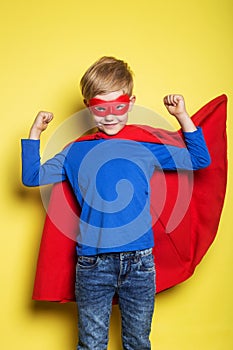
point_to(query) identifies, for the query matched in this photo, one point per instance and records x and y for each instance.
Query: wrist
(183, 116)
(34, 134)
(187, 124)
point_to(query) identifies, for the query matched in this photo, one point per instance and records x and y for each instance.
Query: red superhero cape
(179, 246)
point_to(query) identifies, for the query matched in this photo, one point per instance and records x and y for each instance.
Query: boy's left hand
(175, 105)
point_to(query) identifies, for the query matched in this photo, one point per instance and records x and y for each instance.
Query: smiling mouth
(113, 124)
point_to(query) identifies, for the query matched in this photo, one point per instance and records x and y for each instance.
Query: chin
(111, 132)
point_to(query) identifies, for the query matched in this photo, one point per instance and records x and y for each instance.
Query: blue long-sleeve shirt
(111, 181)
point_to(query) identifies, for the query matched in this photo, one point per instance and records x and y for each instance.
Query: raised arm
(33, 173)
(192, 157)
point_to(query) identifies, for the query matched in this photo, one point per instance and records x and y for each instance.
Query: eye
(100, 109)
(121, 106)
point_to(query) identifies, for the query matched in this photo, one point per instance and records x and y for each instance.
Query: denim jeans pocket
(147, 263)
(87, 262)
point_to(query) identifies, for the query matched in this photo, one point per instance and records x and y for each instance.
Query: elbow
(207, 161)
(29, 182)
(203, 163)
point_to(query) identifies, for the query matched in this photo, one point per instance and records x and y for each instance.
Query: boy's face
(110, 111)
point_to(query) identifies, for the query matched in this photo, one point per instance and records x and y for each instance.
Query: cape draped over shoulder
(179, 247)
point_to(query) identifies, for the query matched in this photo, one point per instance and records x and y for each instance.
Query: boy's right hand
(40, 124)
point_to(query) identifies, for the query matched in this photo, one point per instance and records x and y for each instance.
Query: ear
(86, 103)
(132, 101)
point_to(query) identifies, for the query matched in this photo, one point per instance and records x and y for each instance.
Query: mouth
(110, 125)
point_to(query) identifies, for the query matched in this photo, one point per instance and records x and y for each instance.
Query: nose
(109, 117)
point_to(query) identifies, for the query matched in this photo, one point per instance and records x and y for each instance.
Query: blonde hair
(106, 75)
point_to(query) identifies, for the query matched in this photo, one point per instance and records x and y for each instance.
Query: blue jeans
(130, 275)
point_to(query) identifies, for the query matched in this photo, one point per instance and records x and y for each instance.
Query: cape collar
(140, 133)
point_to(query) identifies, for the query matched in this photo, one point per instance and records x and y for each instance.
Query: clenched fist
(176, 106)
(40, 124)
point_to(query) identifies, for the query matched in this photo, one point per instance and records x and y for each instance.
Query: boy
(115, 243)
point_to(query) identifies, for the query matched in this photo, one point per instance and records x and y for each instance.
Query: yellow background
(172, 46)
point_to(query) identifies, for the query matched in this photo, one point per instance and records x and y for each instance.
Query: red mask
(102, 108)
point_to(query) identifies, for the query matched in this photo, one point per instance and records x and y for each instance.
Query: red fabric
(110, 107)
(181, 240)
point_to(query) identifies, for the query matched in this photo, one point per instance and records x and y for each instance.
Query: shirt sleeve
(35, 174)
(193, 156)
